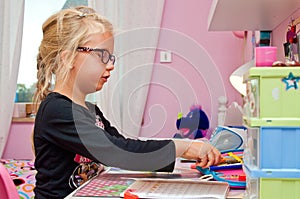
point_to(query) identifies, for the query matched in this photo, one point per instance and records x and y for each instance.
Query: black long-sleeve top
(64, 129)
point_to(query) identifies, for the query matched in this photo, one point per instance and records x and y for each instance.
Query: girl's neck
(74, 95)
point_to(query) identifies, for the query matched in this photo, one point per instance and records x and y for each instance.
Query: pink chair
(7, 187)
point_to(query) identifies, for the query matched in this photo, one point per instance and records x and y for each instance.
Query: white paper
(154, 188)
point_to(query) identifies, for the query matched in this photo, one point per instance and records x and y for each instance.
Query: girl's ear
(64, 58)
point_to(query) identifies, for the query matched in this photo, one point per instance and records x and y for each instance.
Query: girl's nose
(110, 66)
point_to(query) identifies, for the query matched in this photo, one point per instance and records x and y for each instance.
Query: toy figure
(291, 39)
(194, 125)
(291, 35)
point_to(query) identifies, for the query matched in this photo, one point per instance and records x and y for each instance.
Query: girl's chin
(99, 87)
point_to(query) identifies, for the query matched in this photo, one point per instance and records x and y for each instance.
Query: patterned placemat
(23, 174)
(104, 186)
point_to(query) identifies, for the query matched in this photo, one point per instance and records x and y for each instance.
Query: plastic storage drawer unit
(273, 151)
(272, 188)
(273, 95)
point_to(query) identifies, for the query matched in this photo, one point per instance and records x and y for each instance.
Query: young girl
(77, 49)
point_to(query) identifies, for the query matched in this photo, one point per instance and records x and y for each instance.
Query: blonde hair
(65, 30)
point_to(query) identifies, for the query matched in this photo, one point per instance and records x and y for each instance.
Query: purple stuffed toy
(194, 125)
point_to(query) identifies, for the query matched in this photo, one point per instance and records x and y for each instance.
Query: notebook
(176, 188)
(114, 184)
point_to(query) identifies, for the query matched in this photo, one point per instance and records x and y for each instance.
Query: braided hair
(65, 30)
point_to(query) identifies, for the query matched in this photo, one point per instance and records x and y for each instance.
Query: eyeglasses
(104, 54)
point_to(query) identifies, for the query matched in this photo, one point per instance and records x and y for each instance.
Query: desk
(182, 171)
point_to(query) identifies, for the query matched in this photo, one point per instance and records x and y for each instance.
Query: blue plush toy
(194, 125)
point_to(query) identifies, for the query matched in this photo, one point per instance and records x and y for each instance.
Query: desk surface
(182, 170)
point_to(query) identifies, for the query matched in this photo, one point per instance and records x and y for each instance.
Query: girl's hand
(200, 150)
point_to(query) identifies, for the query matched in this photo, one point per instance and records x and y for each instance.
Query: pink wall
(18, 145)
(199, 72)
(200, 69)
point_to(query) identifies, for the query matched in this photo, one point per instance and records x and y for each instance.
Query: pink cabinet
(19, 145)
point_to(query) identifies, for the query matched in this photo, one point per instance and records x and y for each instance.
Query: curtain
(11, 29)
(137, 26)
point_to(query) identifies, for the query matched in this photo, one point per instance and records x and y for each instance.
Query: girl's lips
(105, 78)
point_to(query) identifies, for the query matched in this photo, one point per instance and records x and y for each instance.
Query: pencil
(235, 157)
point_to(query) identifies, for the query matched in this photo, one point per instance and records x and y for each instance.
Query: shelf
(241, 15)
(23, 120)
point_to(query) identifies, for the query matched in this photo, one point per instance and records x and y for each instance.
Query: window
(36, 12)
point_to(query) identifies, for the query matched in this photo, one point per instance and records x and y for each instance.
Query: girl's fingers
(202, 162)
(211, 159)
(218, 156)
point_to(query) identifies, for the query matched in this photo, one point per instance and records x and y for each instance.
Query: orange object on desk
(193, 166)
(129, 195)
